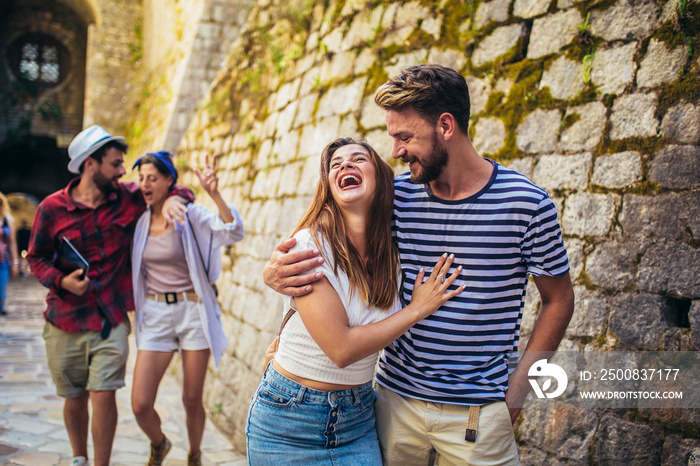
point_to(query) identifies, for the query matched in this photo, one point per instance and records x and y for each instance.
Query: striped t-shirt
(509, 229)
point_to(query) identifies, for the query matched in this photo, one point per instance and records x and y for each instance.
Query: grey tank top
(165, 265)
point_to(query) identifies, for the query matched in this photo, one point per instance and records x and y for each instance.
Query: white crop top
(299, 354)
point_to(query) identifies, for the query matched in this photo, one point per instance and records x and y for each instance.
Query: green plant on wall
(136, 47)
(24, 93)
(683, 16)
(181, 163)
(585, 40)
(459, 26)
(283, 57)
(19, 132)
(316, 83)
(298, 13)
(584, 32)
(50, 111)
(179, 26)
(523, 98)
(154, 94)
(587, 66)
(324, 48)
(686, 23)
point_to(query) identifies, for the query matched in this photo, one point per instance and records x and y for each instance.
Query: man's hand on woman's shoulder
(287, 272)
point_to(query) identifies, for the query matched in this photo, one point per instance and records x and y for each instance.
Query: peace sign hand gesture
(208, 179)
(210, 183)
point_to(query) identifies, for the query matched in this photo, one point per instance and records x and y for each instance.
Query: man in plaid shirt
(86, 326)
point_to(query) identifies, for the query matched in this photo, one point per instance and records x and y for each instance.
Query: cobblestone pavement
(31, 419)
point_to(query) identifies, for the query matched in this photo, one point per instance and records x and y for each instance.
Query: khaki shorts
(83, 361)
(410, 430)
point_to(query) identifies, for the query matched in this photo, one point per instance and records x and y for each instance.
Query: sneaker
(194, 459)
(79, 461)
(158, 453)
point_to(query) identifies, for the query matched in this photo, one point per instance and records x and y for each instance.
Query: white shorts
(169, 327)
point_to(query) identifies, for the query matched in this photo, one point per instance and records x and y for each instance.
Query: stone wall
(178, 50)
(219, 24)
(113, 65)
(595, 101)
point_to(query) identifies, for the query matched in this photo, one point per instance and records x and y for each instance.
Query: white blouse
(210, 231)
(299, 354)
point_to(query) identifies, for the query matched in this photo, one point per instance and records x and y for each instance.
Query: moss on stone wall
(150, 113)
(456, 34)
(377, 77)
(686, 89)
(523, 98)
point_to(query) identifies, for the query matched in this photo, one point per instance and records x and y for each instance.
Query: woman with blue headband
(174, 268)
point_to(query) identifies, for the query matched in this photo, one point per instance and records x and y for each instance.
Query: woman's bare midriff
(315, 384)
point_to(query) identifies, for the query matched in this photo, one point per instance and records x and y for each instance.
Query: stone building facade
(39, 114)
(597, 102)
(73, 63)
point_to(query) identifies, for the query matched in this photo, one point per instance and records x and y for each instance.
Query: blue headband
(165, 157)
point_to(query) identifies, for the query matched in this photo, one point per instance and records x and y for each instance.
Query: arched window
(40, 59)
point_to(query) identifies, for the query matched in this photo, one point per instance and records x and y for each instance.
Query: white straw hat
(86, 143)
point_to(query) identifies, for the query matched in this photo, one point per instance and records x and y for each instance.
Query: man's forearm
(41, 253)
(557, 296)
(183, 192)
(45, 272)
(288, 272)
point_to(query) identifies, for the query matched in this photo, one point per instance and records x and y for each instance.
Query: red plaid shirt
(103, 236)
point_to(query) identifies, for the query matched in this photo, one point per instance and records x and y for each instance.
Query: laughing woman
(176, 308)
(315, 404)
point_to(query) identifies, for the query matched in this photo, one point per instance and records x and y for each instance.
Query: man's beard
(104, 184)
(432, 166)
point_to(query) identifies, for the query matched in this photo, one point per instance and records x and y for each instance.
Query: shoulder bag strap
(201, 258)
(286, 319)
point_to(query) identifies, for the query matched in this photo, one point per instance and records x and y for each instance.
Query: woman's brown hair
(324, 218)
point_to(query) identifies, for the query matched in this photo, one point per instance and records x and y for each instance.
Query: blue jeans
(4, 277)
(291, 424)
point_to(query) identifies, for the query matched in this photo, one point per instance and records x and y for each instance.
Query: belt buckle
(470, 435)
(171, 298)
